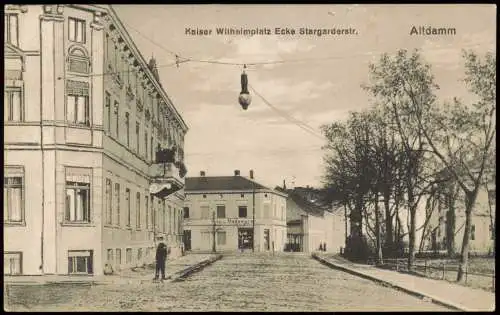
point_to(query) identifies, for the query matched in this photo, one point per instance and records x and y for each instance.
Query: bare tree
(466, 142)
(393, 80)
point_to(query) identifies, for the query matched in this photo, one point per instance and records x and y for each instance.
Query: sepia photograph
(249, 158)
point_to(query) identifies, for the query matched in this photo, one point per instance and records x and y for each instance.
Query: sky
(320, 86)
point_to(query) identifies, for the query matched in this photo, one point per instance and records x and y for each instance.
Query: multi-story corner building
(226, 212)
(84, 118)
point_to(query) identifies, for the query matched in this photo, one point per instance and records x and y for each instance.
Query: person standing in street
(161, 259)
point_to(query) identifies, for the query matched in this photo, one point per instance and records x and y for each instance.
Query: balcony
(167, 175)
(165, 179)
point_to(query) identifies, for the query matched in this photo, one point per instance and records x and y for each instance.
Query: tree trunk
(389, 241)
(378, 231)
(470, 198)
(450, 226)
(412, 233)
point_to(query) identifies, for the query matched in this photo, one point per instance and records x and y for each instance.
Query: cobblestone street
(238, 282)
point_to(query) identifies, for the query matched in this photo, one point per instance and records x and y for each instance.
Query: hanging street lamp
(245, 98)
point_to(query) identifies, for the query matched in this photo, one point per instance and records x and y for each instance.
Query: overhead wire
(288, 117)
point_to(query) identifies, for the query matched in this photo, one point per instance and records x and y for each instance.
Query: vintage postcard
(335, 157)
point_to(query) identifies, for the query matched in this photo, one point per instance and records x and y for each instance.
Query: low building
(312, 225)
(233, 213)
(482, 235)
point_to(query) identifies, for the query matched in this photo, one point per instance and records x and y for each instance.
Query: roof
(222, 183)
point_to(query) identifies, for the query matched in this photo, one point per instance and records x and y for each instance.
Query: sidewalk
(175, 268)
(451, 295)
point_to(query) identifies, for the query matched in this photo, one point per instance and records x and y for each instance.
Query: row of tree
(410, 148)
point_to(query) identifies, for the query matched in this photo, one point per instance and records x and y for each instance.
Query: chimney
(236, 172)
(251, 174)
(202, 173)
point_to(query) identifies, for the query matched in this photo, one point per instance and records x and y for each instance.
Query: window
(78, 111)
(108, 112)
(13, 105)
(186, 212)
(242, 211)
(283, 214)
(80, 262)
(117, 203)
(473, 232)
(110, 53)
(151, 149)
(11, 29)
(123, 68)
(108, 201)
(221, 238)
(205, 212)
(146, 139)
(127, 204)
(139, 254)
(76, 32)
(179, 223)
(221, 212)
(78, 61)
(127, 128)
(171, 218)
(110, 257)
(118, 256)
(128, 258)
(138, 210)
(13, 195)
(137, 131)
(153, 213)
(116, 111)
(164, 218)
(77, 105)
(267, 211)
(492, 197)
(12, 263)
(146, 202)
(77, 196)
(115, 59)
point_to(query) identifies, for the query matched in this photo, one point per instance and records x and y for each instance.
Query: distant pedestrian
(324, 247)
(161, 259)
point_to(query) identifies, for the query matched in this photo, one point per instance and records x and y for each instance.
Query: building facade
(311, 226)
(233, 213)
(482, 235)
(84, 118)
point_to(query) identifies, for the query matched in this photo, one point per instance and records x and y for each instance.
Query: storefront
(245, 238)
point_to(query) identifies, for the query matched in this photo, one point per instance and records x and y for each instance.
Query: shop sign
(236, 221)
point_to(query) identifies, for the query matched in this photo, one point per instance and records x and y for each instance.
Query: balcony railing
(166, 179)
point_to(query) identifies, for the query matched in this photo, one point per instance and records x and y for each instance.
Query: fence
(439, 270)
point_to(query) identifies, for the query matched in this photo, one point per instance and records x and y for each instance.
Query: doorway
(187, 240)
(266, 239)
(245, 238)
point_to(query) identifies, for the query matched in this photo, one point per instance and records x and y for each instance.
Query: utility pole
(253, 216)
(213, 232)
